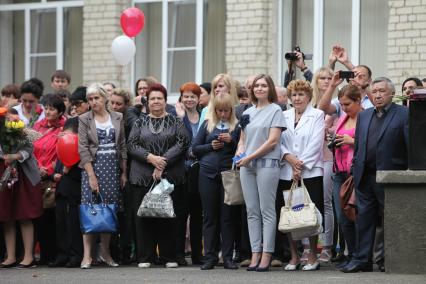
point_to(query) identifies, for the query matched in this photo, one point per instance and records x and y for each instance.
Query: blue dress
(107, 170)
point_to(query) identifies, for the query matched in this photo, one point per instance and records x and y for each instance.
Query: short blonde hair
(96, 88)
(299, 85)
(225, 101)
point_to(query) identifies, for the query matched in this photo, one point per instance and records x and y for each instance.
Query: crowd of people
(316, 130)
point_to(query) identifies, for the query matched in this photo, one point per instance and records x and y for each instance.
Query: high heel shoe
(292, 267)
(110, 263)
(87, 265)
(253, 268)
(264, 269)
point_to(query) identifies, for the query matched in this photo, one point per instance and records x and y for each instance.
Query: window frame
(27, 8)
(198, 47)
(318, 36)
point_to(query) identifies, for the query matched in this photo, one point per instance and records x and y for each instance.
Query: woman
(29, 110)
(141, 87)
(215, 146)
(302, 158)
(186, 109)
(120, 100)
(21, 202)
(320, 83)
(221, 84)
(262, 125)
(157, 145)
(350, 101)
(101, 142)
(45, 154)
(206, 88)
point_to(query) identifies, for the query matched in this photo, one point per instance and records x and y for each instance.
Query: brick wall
(250, 35)
(101, 25)
(406, 40)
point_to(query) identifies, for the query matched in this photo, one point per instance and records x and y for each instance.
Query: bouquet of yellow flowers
(12, 137)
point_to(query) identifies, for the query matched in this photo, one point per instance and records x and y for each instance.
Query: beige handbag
(232, 186)
(303, 216)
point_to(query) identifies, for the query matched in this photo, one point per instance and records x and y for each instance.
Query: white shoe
(171, 265)
(292, 267)
(311, 267)
(144, 265)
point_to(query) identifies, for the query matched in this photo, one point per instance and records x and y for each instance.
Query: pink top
(330, 122)
(344, 153)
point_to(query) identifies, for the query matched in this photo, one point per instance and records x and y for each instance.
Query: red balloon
(67, 149)
(132, 21)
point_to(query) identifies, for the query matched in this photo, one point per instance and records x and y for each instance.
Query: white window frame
(27, 8)
(318, 40)
(165, 49)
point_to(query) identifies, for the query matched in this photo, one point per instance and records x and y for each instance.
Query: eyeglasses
(77, 103)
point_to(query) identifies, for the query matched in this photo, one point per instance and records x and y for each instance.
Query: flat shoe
(86, 266)
(144, 265)
(25, 266)
(11, 265)
(311, 267)
(292, 267)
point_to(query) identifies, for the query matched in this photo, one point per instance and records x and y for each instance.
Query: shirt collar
(384, 110)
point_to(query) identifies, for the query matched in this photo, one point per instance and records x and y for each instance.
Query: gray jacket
(28, 163)
(88, 143)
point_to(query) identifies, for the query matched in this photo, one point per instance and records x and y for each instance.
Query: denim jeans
(347, 226)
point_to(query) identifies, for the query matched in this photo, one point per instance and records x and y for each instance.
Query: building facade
(192, 40)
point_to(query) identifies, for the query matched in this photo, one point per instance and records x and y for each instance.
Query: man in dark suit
(381, 140)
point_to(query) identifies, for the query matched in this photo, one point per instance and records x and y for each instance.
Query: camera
(346, 74)
(293, 57)
(332, 144)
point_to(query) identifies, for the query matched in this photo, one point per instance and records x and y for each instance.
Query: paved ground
(131, 274)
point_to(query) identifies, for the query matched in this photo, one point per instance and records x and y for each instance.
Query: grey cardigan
(88, 143)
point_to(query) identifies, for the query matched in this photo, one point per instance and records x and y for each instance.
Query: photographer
(342, 145)
(360, 78)
(296, 58)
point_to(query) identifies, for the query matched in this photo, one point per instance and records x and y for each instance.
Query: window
(187, 45)
(36, 38)
(316, 25)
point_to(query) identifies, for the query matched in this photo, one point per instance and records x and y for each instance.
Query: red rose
(38, 110)
(3, 111)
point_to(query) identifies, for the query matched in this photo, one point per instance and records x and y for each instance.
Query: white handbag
(298, 216)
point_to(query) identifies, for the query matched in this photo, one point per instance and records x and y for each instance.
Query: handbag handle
(307, 198)
(100, 196)
(154, 183)
(233, 167)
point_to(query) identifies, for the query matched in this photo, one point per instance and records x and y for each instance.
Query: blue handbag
(98, 218)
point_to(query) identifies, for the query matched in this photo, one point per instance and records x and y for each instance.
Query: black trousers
(370, 202)
(69, 241)
(45, 227)
(282, 246)
(218, 218)
(121, 242)
(245, 247)
(191, 208)
(153, 232)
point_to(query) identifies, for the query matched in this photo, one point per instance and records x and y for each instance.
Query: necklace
(151, 126)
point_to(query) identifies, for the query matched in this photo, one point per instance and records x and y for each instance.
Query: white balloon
(123, 49)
